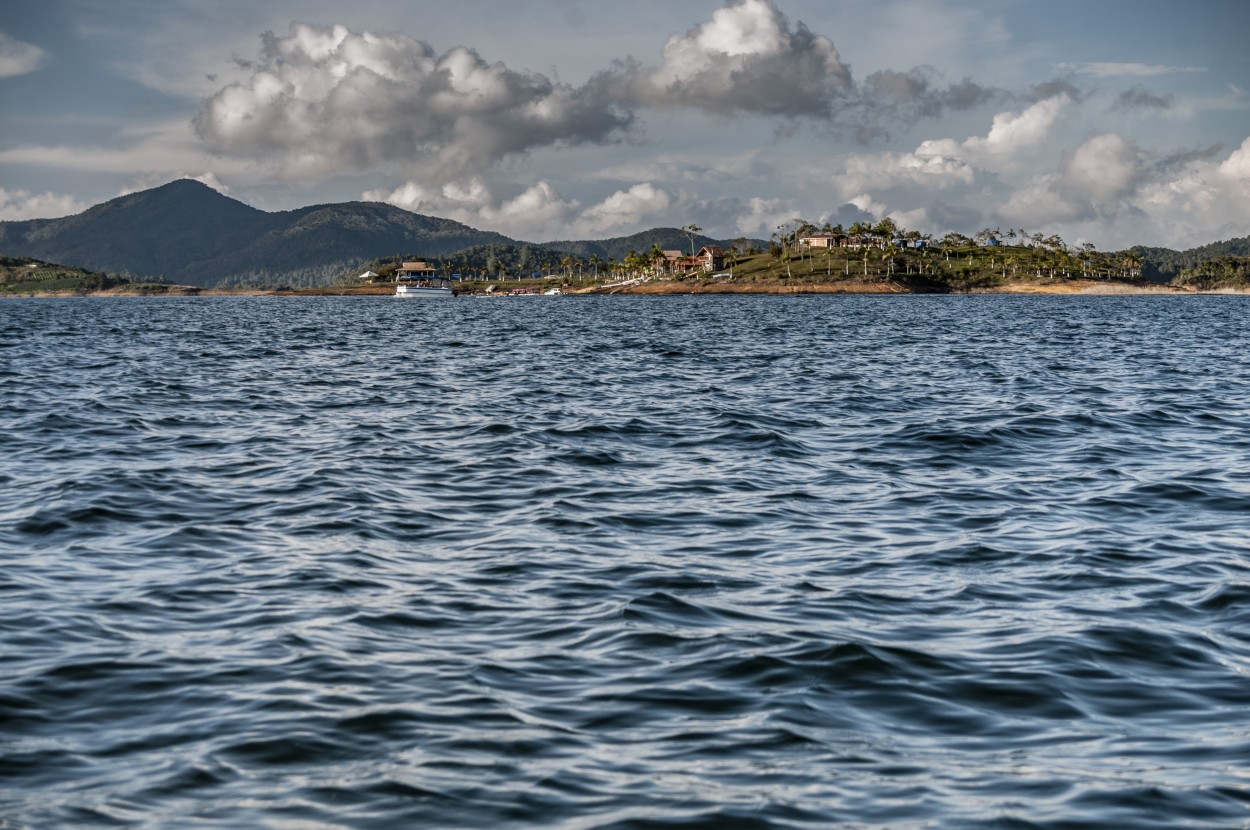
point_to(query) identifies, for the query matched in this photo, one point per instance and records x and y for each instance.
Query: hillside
(28, 276)
(188, 232)
(1165, 264)
(617, 247)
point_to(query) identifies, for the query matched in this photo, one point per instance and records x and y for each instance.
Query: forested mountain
(187, 232)
(617, 247)
(1165, 264)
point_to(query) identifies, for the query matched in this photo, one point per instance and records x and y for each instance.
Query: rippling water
(755, 562)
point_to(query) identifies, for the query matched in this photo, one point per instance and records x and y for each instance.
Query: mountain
(189, 233)
(1164, 264)
(617, 247)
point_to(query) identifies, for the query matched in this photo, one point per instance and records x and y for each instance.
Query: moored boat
(418, 279)
(436, 287)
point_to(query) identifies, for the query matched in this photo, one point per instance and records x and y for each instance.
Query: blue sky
(1116, 122)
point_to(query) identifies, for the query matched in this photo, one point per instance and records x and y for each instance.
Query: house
(677, 262)
(415, 270)
(823, 240)
(864, 242)
(711, 258)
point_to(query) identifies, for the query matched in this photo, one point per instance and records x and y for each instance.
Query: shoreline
(1080, 288)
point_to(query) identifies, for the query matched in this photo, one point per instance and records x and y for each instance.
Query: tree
(888, 254)
(691, 231)
(802, 228)
(657, 258)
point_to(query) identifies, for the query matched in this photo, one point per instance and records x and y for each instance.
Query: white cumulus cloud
(538, 212)
(746, 58)
(634, 208)
(321, 99)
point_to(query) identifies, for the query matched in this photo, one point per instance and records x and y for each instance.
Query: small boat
(553, 292)
(428, 287)
(417, 278)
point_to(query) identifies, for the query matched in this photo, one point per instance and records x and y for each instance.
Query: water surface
(741, 562)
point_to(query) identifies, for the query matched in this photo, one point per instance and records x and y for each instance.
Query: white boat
(553, 292)
(428, 287)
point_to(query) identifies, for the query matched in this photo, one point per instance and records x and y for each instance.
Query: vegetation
(25, 275)
(190, 233)
(1164, 264)
(616, 248)
(1215, 274)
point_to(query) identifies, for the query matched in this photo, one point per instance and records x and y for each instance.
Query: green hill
(26, 275)
(617, 247)
(1165, 264)
(188, 232)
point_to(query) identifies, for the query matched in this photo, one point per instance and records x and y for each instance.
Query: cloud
(748, 59)
(1013, 132)
(536, 211)
(907, 97)
(324, 98)
(1139, 98)
(139, 151)
(940, 164)
(1102, 170)
(472, 202)
(1054, 88)
(1132, 70)
(21, 204)
(745, 59)
(19, 58)
(763, 216)
(625, 209)
(1108, 185)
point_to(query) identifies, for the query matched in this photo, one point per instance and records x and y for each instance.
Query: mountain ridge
(189, 232)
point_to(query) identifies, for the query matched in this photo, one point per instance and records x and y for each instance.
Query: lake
(625, 562)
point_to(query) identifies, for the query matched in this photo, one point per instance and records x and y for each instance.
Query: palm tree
(595, 262)
(888, 255)
(657, 258)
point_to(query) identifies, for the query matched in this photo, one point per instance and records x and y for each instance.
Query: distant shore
(1079, 287)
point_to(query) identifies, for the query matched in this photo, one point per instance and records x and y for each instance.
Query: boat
(553, 292)
(437, 287)
(418, 279)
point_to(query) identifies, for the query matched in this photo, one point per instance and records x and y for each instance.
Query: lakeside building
(415, 270)
(838, 240)
(710, 258)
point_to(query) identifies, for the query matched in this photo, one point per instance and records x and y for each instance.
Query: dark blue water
(758, 562)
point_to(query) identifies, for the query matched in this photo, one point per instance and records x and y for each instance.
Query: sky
(1113, 122)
